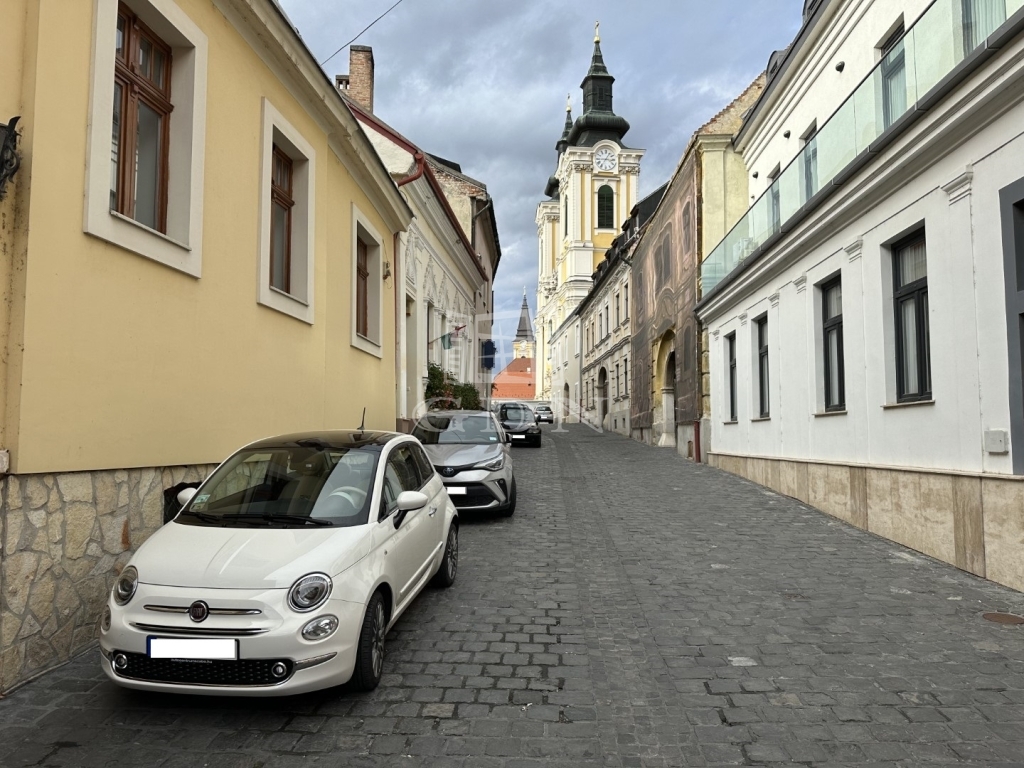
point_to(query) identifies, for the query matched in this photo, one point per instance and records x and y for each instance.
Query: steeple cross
(597, 31)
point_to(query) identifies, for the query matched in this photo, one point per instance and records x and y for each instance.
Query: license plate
(456, 491)
(518, 437)
(199, 649)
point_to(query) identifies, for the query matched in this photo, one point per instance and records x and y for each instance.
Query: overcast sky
(483, 83)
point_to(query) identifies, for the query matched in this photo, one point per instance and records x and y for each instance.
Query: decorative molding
(854, 250)
(714, 334)
(774, 299)
(801, 283)
(743, 319)
(960, 187)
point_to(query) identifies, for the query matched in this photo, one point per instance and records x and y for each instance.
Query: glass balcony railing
(940, 39)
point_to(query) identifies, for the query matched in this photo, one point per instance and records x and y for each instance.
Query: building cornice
(271, 35)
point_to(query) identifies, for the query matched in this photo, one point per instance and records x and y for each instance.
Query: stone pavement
(637, 610)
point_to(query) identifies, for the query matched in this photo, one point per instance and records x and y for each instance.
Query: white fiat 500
(284, 570)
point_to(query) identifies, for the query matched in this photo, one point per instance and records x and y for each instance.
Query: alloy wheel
(379, 628)
(453, 553)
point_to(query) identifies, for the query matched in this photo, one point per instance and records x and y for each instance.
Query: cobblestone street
(637, 610)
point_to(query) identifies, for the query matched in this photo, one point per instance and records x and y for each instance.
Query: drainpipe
(421, 166)
(399, 331)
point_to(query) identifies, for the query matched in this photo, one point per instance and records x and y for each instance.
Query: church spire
(598, 121)
(525, 331)
(563, 142)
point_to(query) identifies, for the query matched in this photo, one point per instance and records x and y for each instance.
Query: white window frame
(299, 303)
(181, 248)
(372, 344)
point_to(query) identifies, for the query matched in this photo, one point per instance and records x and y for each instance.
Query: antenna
(362, 423)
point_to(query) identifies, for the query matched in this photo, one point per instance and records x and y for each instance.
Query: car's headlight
(320, 628)
(492, 464)
(125, 586)
(309, 592)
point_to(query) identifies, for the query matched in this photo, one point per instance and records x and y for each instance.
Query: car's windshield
(288, 486)
(448, 429)
(518, 413)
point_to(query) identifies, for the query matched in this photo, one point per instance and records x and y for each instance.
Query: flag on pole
(446, 341)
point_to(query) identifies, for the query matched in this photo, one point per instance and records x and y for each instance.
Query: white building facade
(594, 188)
(866, 315)
(604, 327)
(449, 257)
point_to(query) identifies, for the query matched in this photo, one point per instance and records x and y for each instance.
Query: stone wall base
(975, 522)
(65, 538)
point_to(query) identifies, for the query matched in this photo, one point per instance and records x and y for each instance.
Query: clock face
(604, 159)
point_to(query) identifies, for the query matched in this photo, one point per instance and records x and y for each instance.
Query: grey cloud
(483, 83)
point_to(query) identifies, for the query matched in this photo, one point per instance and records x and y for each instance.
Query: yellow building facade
(242, 290)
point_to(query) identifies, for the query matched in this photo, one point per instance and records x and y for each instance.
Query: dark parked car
(545, 414)
(519, 422)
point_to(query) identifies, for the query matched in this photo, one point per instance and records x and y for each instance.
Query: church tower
(524, 345)
(590, 195)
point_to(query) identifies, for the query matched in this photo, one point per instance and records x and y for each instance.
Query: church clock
(604, 159)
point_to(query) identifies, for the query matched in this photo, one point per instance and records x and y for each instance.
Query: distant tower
(524, 345)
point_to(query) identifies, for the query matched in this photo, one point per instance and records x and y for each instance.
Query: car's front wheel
(510, 509)
(370, 656)
(450, 564)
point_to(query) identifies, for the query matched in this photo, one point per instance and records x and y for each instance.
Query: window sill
(127, 233)
(290, 296)
(150, 230)
(823, 414)
(366, 345)
(908, 404)
(727, 423)
(762, 418)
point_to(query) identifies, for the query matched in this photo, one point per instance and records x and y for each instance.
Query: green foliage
(444, 392)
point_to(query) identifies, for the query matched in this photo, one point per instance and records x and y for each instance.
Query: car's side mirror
(508, 438)
(411, 500)
(185, 495)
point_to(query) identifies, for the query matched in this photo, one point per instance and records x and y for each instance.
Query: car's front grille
(476, 495)
(241, 673)
(453, 471)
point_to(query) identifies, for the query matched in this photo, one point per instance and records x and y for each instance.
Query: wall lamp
(9, 160)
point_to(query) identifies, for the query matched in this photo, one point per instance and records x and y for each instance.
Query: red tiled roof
(517, 381)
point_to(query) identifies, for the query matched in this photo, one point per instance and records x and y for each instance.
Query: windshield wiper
(206, 518)
(278, 518)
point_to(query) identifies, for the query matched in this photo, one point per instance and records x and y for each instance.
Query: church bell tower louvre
(589, 196)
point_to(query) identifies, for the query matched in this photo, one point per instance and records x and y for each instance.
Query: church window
(605, 208)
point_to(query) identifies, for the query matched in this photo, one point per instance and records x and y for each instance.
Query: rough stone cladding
(65, 538)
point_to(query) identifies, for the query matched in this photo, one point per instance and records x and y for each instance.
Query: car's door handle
(433, 511)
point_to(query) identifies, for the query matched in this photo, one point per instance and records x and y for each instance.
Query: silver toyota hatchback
(470, 452)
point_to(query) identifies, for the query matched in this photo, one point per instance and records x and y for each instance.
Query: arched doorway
(602, 396)
(665, 391)
(565, 402)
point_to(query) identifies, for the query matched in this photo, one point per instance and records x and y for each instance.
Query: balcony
(947, 41)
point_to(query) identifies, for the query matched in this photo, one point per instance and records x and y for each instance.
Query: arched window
(605, 208)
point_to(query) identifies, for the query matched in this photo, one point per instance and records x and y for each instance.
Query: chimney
(359, 85)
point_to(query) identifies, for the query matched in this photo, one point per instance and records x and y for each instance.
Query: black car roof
(340, 438)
